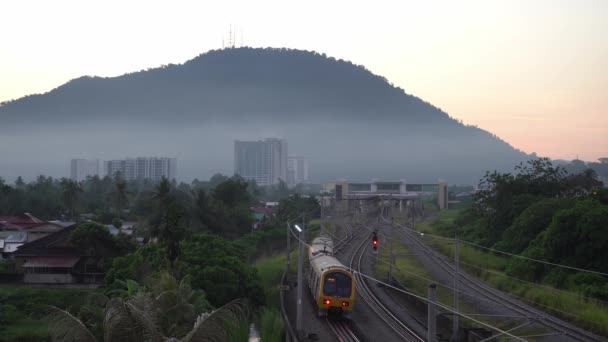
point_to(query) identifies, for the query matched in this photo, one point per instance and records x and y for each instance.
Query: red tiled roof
(21, 222)
(17, 219)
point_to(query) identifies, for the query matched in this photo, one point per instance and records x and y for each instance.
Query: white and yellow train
(332, 284)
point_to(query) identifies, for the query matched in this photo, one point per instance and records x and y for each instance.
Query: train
(331, 284)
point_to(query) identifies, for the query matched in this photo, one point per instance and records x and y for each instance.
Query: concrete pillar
(432, 316)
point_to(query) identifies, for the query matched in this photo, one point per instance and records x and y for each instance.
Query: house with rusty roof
(17, 230)
(53, 260)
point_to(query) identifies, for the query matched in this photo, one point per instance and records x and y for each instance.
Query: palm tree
(136, 319)
(70, 192)
(120, 195)
(167, 224)
(178, 303)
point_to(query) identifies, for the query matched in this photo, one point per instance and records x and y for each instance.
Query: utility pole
(413, 212)
(432, 320)
(302, 235)
(391, 254)
(288, 248)
(456, 281)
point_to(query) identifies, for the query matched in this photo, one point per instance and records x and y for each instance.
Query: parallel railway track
(342, 330)
(373, 302)
(500, 298)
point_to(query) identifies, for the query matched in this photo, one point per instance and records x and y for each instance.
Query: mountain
(349, 122)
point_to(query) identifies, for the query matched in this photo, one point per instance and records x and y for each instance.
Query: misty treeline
(545, 213)
(107, 198)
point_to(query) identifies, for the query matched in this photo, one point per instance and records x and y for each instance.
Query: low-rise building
(18, 230)
(53, 260)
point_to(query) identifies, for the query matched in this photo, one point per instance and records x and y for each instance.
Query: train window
(337, 285)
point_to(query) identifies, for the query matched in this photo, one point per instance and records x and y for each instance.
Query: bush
(271, 326)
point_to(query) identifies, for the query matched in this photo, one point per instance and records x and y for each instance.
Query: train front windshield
(337, 285)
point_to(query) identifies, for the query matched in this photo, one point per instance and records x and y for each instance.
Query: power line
(506, 253)
(525, 281)
(535, 284)
(536, 260)
(490, 300)
(524, 299)
(439, 304)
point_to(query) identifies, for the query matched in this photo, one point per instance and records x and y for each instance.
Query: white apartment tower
(264, 161)
(80, 169)
(153, 168)
(297, 170)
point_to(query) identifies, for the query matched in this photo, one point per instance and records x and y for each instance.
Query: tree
(117, 223)
(532, 221)
(95, 240)
(217, 179)
(232, 192)
(220, 267)
(120, 195)
(70, 194)
(178, 303)
(138, 265)
(168, 225)
(504, 196)
(19, 183)
(136, 319)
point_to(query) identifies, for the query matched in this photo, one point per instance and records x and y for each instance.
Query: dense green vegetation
(542, 213)
(218, 205)
(22, 310)
(539, 213)
(199, 255)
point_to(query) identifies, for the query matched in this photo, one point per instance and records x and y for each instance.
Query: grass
(416, 279)
(22, 310)
(26, 329)
(490, 267)
(270, 269)
(272, 327)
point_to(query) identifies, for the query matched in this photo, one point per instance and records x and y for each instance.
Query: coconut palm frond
(143, 311)
(215, 326)
(97, 299)
(64, 327)
(118, 323)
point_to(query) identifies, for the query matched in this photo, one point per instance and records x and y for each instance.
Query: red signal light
(344, 303)
(326, 301)
(375, 242)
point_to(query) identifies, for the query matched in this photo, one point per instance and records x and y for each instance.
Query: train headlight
(344, 303)
(326, 301)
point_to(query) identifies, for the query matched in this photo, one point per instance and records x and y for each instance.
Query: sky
(535, 73)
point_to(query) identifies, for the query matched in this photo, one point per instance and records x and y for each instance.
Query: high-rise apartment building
(264, 161)
(153, 168)
(297, 170)
(80, 169)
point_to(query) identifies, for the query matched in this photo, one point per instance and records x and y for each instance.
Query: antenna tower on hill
(231, 42)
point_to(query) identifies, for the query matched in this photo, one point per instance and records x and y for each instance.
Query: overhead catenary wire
(485, 299)
(511, 294)
(439, 304)
(577, 295)
(507, 253)
(528, 300)
(501, 274)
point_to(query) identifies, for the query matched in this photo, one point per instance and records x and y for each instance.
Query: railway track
(500, 298)
(373, 302)
(342, 330)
